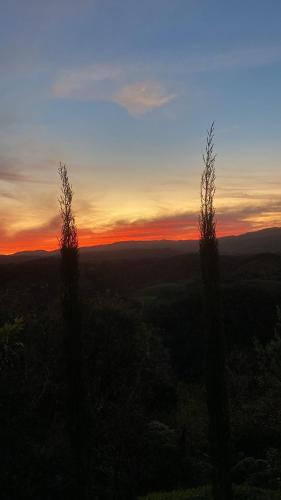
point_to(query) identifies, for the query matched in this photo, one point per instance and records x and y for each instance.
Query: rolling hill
(256, 242)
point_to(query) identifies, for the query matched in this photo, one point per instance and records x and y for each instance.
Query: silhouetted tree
(217, 397)
(72, 332)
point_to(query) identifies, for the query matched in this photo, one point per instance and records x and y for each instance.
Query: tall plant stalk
(216, 384)
(72, 335)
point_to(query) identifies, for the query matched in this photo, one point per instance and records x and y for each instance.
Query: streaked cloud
(7, 195)
(12, 175)
(233, 59)
(177, 226)
(94, 82)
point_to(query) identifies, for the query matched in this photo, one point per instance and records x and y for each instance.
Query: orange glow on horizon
(138, 231)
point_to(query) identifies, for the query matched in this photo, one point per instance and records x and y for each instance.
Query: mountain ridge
(254, 242)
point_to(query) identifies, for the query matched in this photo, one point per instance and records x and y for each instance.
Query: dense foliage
(143, 359)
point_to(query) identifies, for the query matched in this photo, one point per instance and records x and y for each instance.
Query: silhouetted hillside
(257, 242)
(130, 272)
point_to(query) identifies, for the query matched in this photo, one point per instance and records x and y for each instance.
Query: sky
(123, 92)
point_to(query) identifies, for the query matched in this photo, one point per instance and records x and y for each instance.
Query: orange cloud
(174, 227)
(40, 238)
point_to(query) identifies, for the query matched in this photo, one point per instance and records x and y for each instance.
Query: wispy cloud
(141, 87)
(92, 82)
(141, 97)
(10, 173)
(109, 82)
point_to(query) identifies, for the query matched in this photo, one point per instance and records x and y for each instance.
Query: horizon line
(143, 240)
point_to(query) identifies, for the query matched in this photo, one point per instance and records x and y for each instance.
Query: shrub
(240, 493)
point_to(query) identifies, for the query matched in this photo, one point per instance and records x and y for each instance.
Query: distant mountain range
(256, 242)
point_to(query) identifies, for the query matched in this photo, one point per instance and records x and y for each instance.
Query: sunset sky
(122, 91)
